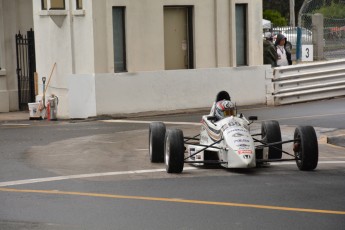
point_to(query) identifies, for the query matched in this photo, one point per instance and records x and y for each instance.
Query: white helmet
(225, 108)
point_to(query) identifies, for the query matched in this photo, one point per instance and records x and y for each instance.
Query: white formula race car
(229, 143)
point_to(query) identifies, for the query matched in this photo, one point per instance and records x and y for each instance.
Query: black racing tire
(156, 142)
(174, 151)
(306, 148)
(270, 133)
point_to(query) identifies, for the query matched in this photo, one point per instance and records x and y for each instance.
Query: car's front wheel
(270, 133)
(306, 148)
(156, 141)
(174, 151)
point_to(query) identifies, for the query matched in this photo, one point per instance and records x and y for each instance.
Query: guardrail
(307, 82)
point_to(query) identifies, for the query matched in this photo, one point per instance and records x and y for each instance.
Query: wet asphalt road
(110, 192)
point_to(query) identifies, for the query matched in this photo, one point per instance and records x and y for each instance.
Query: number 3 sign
(307, 53)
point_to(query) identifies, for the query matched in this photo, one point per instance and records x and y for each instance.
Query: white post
(318, 41)
(292, 13)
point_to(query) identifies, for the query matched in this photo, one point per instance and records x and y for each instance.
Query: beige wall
(214, 33)
(15, 16)
(2, 40)
(87, 38)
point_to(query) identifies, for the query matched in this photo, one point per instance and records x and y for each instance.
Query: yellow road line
(174, 200)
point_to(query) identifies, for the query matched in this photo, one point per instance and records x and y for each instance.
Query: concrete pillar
(4, 96)
(318, 41)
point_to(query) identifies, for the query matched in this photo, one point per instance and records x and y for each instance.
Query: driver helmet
(224, 108)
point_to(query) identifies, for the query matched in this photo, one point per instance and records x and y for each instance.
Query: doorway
(26, 68)
(178, 38)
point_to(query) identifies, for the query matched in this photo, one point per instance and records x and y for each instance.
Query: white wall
(82, 96)
(54, 44)
(165, 90)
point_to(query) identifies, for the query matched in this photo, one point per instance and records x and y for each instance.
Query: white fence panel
(306, 82)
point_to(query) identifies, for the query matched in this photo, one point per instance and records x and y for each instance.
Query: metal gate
(26, 68)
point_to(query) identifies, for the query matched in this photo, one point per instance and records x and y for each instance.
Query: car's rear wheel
(174, 151)
(270, 133)
(156, 141)
(306, 148)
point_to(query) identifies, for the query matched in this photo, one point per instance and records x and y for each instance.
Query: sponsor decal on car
(214, 134)
(224, 127)
(243, 145)
(245, 151)
(236, 130)
(234, 123)
(191, 152)
(241, 140)
(237, 135)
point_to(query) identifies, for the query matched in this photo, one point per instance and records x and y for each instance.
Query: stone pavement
(14, 116)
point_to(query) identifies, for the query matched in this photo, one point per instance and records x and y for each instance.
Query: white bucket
(34, 110)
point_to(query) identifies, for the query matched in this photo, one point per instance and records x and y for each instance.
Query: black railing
(26, 68)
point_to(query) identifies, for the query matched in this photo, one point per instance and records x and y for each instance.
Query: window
(241, 35)
(0, 56)
(57, 4)
(2, 38)
(44, 4)
(119, 39)
(53, 4)
(79, 4)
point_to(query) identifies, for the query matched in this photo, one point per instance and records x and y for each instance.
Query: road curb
(337, 140)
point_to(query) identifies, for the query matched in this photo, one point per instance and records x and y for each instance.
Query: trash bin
(53, 102)
(34, 111)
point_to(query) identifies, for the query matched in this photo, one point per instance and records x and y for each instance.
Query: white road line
(103, 142)
(320, 162)
(332, 157)
(49, 179)
(15, 124)
(148, 122)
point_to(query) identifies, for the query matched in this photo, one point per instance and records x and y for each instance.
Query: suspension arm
(206, 147)
(276, 143)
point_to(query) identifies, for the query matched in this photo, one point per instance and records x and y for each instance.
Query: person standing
(270, 53)
(284, 55)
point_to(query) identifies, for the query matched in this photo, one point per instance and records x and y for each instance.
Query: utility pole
(292, 13)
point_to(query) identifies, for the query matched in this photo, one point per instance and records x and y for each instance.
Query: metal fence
(290, 33)
(334, 29)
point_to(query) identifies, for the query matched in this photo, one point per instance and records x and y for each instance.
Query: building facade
(128, 56)
(15, 16)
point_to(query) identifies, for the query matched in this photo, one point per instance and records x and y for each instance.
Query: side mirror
(253, 118)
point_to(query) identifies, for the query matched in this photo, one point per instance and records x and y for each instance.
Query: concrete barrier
(123, 93)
